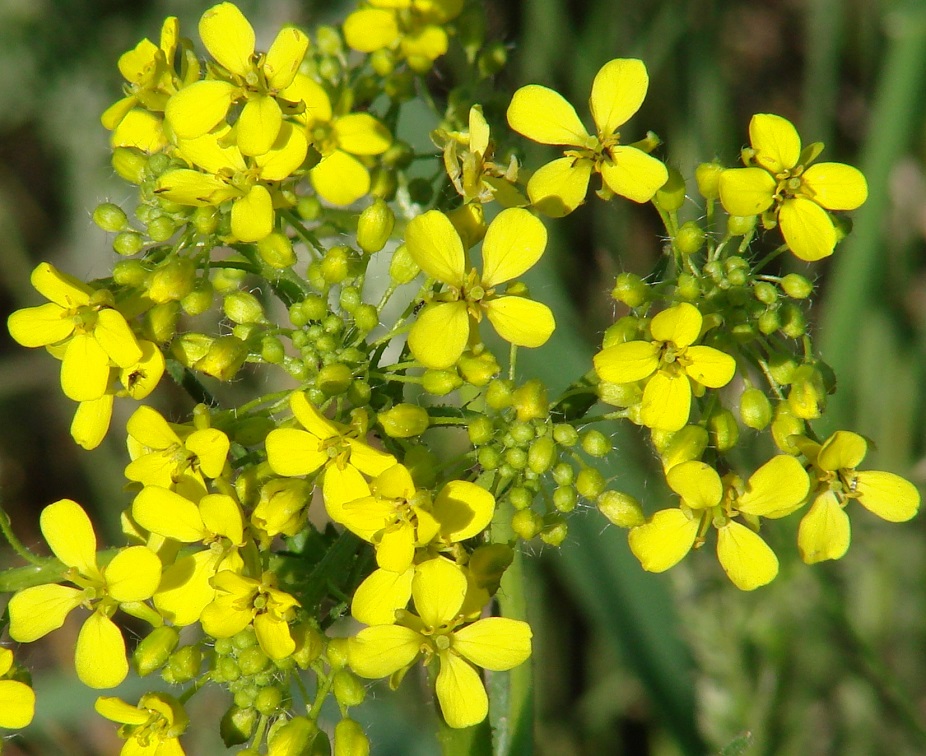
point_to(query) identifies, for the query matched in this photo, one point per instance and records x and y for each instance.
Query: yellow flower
(82, 322)
(17, 700)
(281, 509)
(225, 173)
(545, 116)
(152, 728)
(340, 177)
(256, 79)
(824, 532)
(514, 241)
(671, 362)
(778, 487)
(292, 452)
(129, 579)
(241, 601)
(440, 631)
(781, 182)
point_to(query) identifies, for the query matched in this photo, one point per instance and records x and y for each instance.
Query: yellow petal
(514, 241)
(252, 215)
(118, 710)
(710, 367)
(379, 596)
(185, 589)
(340, 178)
(62, 289)
(439, 335)
(824, 531)
(40, 326)
(560, 186)
(370, 29)
(745, 557)
(114, 335)
(100, 653)
(776, 142)
(361, 134)
(133, 574)
(284, 57)
(227, 616)
(746, 191)
(521, 321)
(140, 129)
(545, 116)
(775, 489)
(664, 540)
(168, 514)
(341, 486)
(228, 36)
(459, 689)
(495, 643)
(273, 636)
(463, 510)
(396, 548)
(617, 93)
(633, 174)
(198, 108)
(435, 245)
(189, 187)
(380, 650)
(142, 378)
(835, 186)
(438, 589)
(313, 95)
(843, 450)
(91, 421)
(36, 611)
(310, 418)
(889, 496)
(211, 448)
(17, 704)
(69, 532)
(293, 452)
(368, 460)
(222, 516)
(259, 124)
(807, 229)
(84, 369)
(666, 402)
(215, 152)
(423, 45)
(627, 362)
(148, 427)
(287, 155)
(697, 483)
(680, 324)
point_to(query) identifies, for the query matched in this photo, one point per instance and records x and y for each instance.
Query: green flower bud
(620, 394)
(334, 379)
(374, 227)
(755, 409)
(277, 251)
(160, 323)
(590, 482)
(237, 726)
(784, 426)
(555, 533)
(542, 454)
(382, 61)
(294, 738)
(489, 458)
(183, 665)
(707, 176)
(688, 287)
(350, 740)
(469, 222)
(130, 164)
(246, 638)
(224, 359)
(530, 401)
(348, 690)
(520, 497)
(807, 397)
(268, 701)
(793, 322)
(110, 217)
(623, 330)
(223, 646)
(336, 652)
(621, 509)
(172, 280)
(226, 669)
(796, 286)
(671, 196)
(595, 443)
(765, 292)
(206, 220)
(684, 445)
(565, 435)
(781, 367)
(499, 393)
(130, 273)
(128, 243)
(272, 350)
(526, 524)
(404, 421)
(769, 321)
(199, 300)
(478, 370)
(740, 225)
(252, 660)
(309, 208)
(492, 59)
(630, 289)
(161, 229)
(564, 474)
(152, 653)
(402, 268)
(314, 308)
(516, 458)
(366, 318)
(690, 238)
(723, 430)
(243, 307)
(310, 644)
(336, 264)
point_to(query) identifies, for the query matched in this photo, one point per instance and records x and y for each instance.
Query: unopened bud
(160, 322)
(784, 426)
(590, 482)
(595, 443)
(555, 533)
(671, 196)
(404, 421)
(807, 397)
(183, 665)
(224, 359)
(237, 725)
(526, 524)
(796, 286)
(374, 227)
(243, 307)
(334, 379)
(348, 690)
(276, 250)
(469, 222)
(684, 445)
(740, 225)
(690, 238)
(707, 176)
(130, 164)
(152, 653)
(171, 281)
(623, 330)
(621, 509)
(402, 267)
(335, 265)
(530, 401)
(541, 454)
(293, 738)
(478, 370)
(620, 394)
(110, 217)
(755, 409)
(440, 382)
(723, 429)
(630, 289)
(350, 739)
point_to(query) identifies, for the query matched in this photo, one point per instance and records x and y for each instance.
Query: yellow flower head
(782, 182)
(513, 243)
(153, 727)
(440, 630)
(545, 116)
(17, 700)
(130, 578)
(824, 532)
(670, 362)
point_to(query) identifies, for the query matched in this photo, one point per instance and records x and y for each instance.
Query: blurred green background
(829, 659)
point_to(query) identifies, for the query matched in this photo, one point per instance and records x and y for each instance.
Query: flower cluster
(358, 509)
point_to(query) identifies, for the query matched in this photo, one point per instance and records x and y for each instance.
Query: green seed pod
(160, 322)
(348, 690)
(153, 652)
(243, 307)
(684, 445)
(224, 359)
(724, 431)
(276, 250)
(334, 379)
(793, 322)
(526, 524)
(796, 286)
(690, 238)
(621, 509)
(565, 435)
(595, 443)
(130, 164)
(590, 482)
(755, 409)
(171, 281)
(293, 738)
(478, 370)
(374, 227)
(130, 273)
(542, 454)
(555, 533)
(128, 243)
(530, 401)
(237, 726)
(110, 217)
(402, 268)
(671, 196)
(707, 176)
(807, 397)
(740, 225)
(350, 739)
(404, 421)
(630, 289)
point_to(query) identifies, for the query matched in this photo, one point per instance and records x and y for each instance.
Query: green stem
(7, 529)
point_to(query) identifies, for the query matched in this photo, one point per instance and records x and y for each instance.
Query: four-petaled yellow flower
(514, 241)
(152, 728)
(17, 700)
(778, 487)
(85, 324)
(129, 579)
(545, 116)
(440, 631)
(671, 362)
(257, 79)
(824, 531)
(780, 181)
